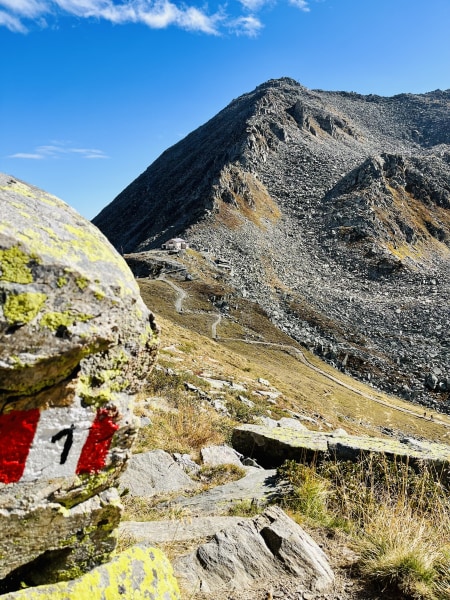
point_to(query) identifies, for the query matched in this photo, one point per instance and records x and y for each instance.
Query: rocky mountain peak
(332, 208)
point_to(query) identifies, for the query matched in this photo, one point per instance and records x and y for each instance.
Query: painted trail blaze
(17, 431)
(93, 454)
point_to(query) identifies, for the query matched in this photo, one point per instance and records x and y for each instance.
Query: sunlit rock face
(76, 342)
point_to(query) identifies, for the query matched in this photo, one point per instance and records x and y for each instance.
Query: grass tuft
(397, 520)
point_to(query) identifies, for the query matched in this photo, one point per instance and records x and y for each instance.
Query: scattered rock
(220, 455)
(152, 473)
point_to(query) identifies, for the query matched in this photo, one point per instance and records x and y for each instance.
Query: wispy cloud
(301, 4)
(11, 22)
(17, 15)
(249, 26)
(59, 150)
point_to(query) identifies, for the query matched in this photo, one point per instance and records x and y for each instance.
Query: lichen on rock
(76, 344)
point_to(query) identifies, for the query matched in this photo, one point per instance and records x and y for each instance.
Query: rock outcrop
(272, 446)
(76, 341)
(331, 210)
(261, 549)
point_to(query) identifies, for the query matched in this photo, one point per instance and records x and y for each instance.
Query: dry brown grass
(302, 389)
(186, 429)
(396, 519)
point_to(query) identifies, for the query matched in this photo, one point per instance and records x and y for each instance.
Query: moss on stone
(23, 308)
(14, 265)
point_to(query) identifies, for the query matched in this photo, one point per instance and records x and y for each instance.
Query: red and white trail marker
(58, 442)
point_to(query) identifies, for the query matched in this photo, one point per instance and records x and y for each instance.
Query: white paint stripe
(44, 459)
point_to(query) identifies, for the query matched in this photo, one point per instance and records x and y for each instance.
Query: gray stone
(152, 473)
(186, 463)
(255, 550)
(176, 530)
(220, 455)
(257, 486)
(76, 342)
(291, 424)
(431, 381)
(272, 446)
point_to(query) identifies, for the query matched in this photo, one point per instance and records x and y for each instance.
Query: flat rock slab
(152, 473)
(253, 550)
(415, 451)
(259, 485)
(272, 446)
(156, 532)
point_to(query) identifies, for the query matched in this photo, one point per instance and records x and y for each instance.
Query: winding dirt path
(181, 295)
(299, 354)
(214, 326)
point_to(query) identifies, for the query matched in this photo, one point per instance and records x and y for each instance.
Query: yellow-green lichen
(138, 573)
(99, 388)
(19, 188)
(23, 308)
(61, 281)
(53, 320)
(82, 282)
(14, 265)
(149, 337)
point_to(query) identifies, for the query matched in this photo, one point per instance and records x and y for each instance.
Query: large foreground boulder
(76, 341)
(269, 547)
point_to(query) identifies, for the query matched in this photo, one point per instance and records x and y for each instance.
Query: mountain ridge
(333, 210)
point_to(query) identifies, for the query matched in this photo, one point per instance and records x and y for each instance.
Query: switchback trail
(181, 295)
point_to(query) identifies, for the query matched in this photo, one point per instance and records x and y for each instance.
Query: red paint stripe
(17, 430)
(93, 455)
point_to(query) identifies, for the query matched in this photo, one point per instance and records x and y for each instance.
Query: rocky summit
(331, 210)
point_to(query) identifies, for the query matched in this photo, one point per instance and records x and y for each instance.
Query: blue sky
(93, 91)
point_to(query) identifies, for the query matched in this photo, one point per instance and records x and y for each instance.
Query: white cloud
(25, 8)
(12, 23)
(27, 155)
(156, 14)
(249, 26)
(301, 4)
(57, 150)
(253, 5)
